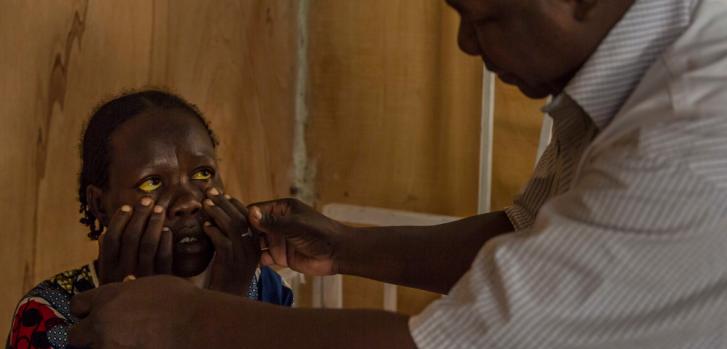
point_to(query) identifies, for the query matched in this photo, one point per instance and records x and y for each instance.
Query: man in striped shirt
(618, 241)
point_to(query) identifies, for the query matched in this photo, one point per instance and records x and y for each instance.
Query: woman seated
(152, 196)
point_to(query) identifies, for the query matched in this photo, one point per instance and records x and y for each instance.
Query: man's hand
(431, 258)
(135, 242)
(298, 237)
(168, 312)
(237, 248)
(152, 312)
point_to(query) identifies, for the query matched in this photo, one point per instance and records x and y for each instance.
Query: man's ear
(94, 199)
(583, 9)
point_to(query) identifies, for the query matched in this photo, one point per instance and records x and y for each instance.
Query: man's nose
(467, 38)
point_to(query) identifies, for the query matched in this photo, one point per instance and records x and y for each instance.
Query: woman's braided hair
(96, 140)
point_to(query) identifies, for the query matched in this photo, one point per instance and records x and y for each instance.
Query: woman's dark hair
(96, 140)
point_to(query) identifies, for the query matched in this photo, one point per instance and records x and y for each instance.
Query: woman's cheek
(217, 183)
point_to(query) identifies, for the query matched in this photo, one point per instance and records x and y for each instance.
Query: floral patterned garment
(42, 318)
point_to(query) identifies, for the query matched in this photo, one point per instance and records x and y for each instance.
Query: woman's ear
(94, 199)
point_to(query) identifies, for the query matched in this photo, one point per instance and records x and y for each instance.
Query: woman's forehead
(158, 135)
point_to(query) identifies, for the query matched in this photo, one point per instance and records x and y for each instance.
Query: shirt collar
(611, 74)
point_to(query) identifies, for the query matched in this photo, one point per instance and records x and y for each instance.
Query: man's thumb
(265, 222)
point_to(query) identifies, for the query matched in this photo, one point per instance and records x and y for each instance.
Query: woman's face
(166, 155)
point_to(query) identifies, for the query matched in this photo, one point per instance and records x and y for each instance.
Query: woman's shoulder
(75, 280)
(273, 289)
(43, 315)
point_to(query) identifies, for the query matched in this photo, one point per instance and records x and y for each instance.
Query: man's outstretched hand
(151, 312)
(299, 237)
(169, 312)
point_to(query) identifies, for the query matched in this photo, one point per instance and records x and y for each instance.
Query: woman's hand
(298, 236)
(135, 242)
(237, 248)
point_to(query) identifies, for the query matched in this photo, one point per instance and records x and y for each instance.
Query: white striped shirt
(629, 248)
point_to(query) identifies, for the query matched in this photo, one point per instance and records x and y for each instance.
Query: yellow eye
(202, 175)
(150, 185)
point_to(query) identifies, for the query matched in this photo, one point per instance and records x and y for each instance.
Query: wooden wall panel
(234, 59)
(394, 106)
(517, 125)
(395, 113)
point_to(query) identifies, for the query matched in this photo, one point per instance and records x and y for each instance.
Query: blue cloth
(271, 288)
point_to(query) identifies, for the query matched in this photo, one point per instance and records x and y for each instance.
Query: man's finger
(81, 303)
(272, 215)
(256, 218)
(277, 249)
(266, 259)
(81, 334)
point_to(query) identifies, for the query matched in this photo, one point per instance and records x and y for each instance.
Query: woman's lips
(191, 245)
(190, 240)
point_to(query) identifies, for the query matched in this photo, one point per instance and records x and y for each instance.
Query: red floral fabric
(31, 324)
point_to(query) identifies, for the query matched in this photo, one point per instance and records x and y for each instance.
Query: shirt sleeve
(633, 256)
(37, 324)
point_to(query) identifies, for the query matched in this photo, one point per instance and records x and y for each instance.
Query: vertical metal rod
(301, 179)
(486, 131)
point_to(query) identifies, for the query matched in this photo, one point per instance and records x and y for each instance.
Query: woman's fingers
(219, 216)
(224, 203)
(109, 242)
(223, 245)
(232, 229)
(164, 252)
(132, 235)
(238, 205)
(149, 242)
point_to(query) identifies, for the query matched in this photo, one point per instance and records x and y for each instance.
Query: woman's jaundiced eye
(203, 175)
(150, 184)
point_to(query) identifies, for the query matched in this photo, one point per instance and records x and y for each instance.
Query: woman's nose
(184, 206)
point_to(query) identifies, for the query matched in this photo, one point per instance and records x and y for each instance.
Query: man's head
(537, 45)
(151, 144)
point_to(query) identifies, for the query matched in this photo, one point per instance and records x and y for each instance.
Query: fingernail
(207, 224)
(145, 202)
(228, 197)
(166, 229)
(209, 202)
(213, 192)
(126, 208)
(256, 214)
(158, 209)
